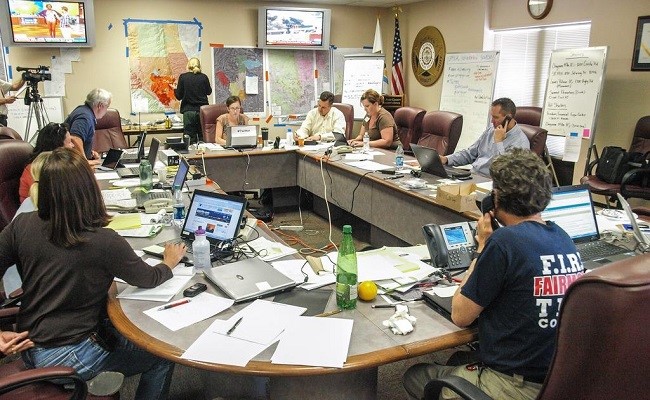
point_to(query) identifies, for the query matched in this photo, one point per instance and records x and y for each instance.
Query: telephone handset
(344, 149)
(154, 205)
(450, 245)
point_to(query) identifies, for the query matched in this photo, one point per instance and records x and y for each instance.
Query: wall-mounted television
(48, 23)
(294, 28)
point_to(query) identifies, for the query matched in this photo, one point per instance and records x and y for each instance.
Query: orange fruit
(367, 290)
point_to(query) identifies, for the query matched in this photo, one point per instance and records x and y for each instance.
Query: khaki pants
(493, 383)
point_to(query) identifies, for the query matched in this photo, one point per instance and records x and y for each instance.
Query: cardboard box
(459, 197)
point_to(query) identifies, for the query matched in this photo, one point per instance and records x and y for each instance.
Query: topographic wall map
(231, 66)
(158, 52)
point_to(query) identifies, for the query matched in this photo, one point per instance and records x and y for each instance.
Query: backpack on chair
(612, 164)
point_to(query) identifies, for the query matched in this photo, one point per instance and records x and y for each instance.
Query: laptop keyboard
(599, 249)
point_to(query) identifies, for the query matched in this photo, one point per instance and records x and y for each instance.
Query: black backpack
(612, 164)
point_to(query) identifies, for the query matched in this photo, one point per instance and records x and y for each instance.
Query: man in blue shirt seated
(514, 286)
(503, 135)
(83, 119)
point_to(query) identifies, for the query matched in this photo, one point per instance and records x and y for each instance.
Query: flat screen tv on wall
(48, 23)
(294, 28)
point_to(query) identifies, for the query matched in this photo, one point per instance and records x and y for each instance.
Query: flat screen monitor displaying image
(48, 23)
(294, 28)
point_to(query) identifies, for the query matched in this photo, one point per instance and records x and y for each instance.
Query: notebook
(132, 172)
(241, 136)
(572, 209)
(430, 163)
(249, 279)
(134, 155)
(641, 238)
(179, 179)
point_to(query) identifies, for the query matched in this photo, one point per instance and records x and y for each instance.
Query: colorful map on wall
(158, 52)
(231, 68)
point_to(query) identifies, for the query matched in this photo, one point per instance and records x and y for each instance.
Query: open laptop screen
(219, 214)
(571, 209)
(181, 174)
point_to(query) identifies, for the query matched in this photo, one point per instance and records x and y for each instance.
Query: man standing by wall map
(514, 286)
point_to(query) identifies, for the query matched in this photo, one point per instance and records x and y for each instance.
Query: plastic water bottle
(399, 157)
(366, 143)
(179, 205)
(289, 137)
(201, 251)
(146, 174)
(346, 272)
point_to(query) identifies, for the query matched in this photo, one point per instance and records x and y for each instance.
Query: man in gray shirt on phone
(503, 135)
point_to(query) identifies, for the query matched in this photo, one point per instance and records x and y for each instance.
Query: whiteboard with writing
(467, 89)
(360, 73)
(573, 91)
(18, 113)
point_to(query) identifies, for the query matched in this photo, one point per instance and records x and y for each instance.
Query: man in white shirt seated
(322, 121)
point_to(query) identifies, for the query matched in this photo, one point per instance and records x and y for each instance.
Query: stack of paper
(268, 250)
(200, 307)
(163, 292)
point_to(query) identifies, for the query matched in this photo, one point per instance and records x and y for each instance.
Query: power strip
(296, 228)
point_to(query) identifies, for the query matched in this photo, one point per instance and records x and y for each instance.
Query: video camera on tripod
(34, 75)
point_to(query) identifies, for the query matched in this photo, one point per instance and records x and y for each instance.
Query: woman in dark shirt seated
(68, 260)
(378, 122)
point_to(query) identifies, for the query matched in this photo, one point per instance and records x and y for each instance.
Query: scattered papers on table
(105, 176)
(141, 232)
(357, 157)
(268, 250)
(297, 269)
(200, 307)
(125, 183)
(163, 292)
(368, 165)
(314, 341)
(444, 290)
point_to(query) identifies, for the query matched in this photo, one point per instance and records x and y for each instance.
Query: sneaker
(105, 383)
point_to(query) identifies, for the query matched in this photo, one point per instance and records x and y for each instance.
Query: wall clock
(428, 55)
(538, 9)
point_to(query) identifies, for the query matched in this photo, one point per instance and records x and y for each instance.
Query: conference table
(371, 344)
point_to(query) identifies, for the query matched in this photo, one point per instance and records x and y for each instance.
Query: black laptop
(441, 304)
(430, 163)
(132, 172)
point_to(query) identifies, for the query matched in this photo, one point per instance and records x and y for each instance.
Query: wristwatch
(475, 255)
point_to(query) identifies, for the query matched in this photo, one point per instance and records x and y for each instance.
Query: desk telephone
(154, 205)
(451, 245)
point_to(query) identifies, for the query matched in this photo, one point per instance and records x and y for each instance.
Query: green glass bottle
(346, 272)
(146, 174)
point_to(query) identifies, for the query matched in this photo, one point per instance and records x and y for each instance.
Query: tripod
(36, 110)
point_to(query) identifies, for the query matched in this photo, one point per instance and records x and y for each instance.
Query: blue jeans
(89, 359)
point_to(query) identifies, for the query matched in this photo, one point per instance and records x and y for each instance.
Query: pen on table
(327, 314)
(384, 305)
(174, 304)
(232, 329)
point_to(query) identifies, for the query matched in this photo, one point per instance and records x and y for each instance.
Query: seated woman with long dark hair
(68, 260)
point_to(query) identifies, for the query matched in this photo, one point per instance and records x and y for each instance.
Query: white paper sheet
(314, 341)
(106, 176)
(200, 307)
(163, 292)
(444, 291)
(368, 165)
(269, 251)
(294, 269)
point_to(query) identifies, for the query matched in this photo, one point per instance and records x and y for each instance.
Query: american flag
(397, 80)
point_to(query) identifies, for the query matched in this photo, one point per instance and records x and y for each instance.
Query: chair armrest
(460, 386)
(28, 377)
(634, 177)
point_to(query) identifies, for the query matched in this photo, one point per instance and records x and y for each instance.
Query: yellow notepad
(125, 221)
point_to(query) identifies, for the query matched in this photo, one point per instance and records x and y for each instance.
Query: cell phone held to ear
(486, 205)
(506, 121)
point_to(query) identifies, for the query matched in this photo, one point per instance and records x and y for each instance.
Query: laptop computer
(430, 163)
(112, 160)
(219, 214)
(241, 136)
(179, 179)
(249, 279)
(572, 209)
(132, 172)
(340, 139)
(441, 304)
(641, 238)
(135, 155)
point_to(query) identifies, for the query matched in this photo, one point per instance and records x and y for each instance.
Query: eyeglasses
(234, 108)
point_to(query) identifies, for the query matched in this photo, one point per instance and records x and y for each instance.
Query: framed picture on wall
(641, 56)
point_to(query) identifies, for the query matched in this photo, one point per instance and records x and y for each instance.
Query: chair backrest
(603, 340)
(208, 119)
(14, 155)
(409, 125)
(529, 115)
(8, 133)
(108, 133)
(536, 136)
(641, 139)
(348, 113)
(441, 131)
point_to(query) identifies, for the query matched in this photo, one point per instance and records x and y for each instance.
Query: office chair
(14, 155)
(529, 115)
(348, 113)
(208, 119)
(409, 125)
(8, 133)
(636, 182)
(603, 340)
(108, 133)
(441, 131)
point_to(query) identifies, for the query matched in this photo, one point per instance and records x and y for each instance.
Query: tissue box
(459, 197)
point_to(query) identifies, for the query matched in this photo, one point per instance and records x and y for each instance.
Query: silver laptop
(241, 136)
(249, 279)
(132, 172)
(430, 163)
(572, 209)
(134, 155)
(641, 238)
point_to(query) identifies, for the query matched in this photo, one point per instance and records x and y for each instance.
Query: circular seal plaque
(428, 55)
